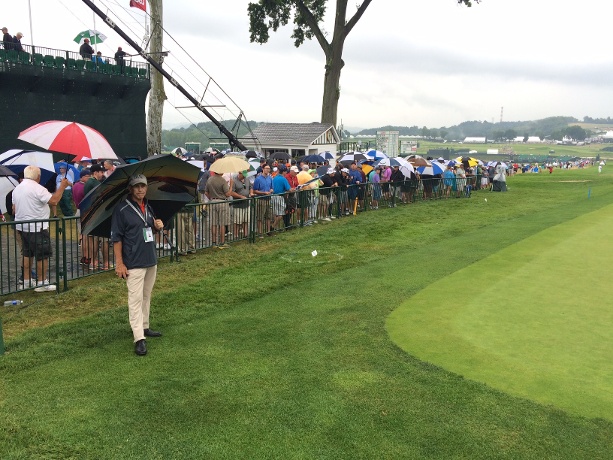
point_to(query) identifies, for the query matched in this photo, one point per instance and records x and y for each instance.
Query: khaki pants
(140, 284)
(185, 231)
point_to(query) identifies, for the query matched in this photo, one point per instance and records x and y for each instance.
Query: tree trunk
(332, 89)
(157, 96)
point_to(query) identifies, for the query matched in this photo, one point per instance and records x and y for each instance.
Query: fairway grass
(533, 319)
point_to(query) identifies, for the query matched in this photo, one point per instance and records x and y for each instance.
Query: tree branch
(314, 26)
(356, 17)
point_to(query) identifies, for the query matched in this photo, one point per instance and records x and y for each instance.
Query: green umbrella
(94, 36)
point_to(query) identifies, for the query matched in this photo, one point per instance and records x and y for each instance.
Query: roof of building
(292, 133)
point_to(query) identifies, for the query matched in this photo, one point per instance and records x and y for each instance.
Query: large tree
(307, 16)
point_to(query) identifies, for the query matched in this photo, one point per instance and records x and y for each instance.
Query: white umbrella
(198, 163)
(7, 184)
(69, 137)
(17, 160)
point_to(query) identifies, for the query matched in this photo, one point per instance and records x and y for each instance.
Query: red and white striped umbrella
(69, 137)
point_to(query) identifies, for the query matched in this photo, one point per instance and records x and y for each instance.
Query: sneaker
(223, 246)
(327, 219)
(44, 286)
(332, 217)
(167, 246)
(28, 283)
(159, 246)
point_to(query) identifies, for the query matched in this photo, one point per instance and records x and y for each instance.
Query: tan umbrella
(229, 164)
(417, 160)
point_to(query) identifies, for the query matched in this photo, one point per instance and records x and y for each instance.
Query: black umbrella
(251, 154)
(321, 170)
(171, 185)
(280, 156)
(312, 159)
(349, 158)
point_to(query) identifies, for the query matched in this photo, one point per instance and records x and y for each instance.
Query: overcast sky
(426, 63)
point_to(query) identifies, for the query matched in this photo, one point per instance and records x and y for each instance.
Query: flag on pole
(141, 4)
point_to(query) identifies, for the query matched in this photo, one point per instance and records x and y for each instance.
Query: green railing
(200, 225)
(69, 61)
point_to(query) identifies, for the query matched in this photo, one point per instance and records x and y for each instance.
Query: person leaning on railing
(17, 42)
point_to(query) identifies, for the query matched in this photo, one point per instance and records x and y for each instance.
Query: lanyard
(140, 214)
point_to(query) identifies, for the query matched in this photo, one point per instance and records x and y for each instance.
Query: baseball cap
(97, 168)
(85, 172)
(137, 179)
(294, 168)
(345, 170)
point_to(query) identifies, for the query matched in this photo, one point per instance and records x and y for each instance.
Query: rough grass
(271, 353)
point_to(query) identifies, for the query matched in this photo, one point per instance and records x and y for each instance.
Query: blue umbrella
(72, 173)
(436, 168)
(17, 160)
(376, 154)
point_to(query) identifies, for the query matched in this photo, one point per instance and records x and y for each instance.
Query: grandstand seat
(2, 55)
(38, 59)
(23, 57)
(11, 55)
(71, 64)
(142, 72)
(48, 61)
(90, 65)
(59, 62)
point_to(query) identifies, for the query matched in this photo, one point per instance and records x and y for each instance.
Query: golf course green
(532, 319)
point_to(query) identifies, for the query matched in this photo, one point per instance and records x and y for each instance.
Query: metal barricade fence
(201, 225)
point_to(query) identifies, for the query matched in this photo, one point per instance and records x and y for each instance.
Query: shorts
(219, 212)
(36, 244)
(241, 215)
(263, 209)
(278, 205)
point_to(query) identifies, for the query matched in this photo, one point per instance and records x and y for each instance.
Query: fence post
(64, 273)
(1, 339)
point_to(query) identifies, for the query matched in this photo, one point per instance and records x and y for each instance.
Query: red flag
(142, 4)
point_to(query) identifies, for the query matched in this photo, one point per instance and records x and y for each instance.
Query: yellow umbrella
(472, 162)
(367, 168)
(229, 164)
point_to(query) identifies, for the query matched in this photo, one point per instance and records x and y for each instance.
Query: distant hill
(551, 127)
(542, 128)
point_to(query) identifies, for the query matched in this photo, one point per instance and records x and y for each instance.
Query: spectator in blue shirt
(98, 58)
(280, 186)
(262, 189)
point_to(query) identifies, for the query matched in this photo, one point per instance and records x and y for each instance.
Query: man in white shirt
(109, 167)
(31, 202)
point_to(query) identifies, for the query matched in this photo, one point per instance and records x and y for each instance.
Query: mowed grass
(536, 323)
(269, 352)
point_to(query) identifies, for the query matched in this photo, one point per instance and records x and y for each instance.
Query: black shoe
(140, 347)
(150, 333)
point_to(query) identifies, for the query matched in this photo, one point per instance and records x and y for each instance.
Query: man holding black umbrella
(132, 231)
